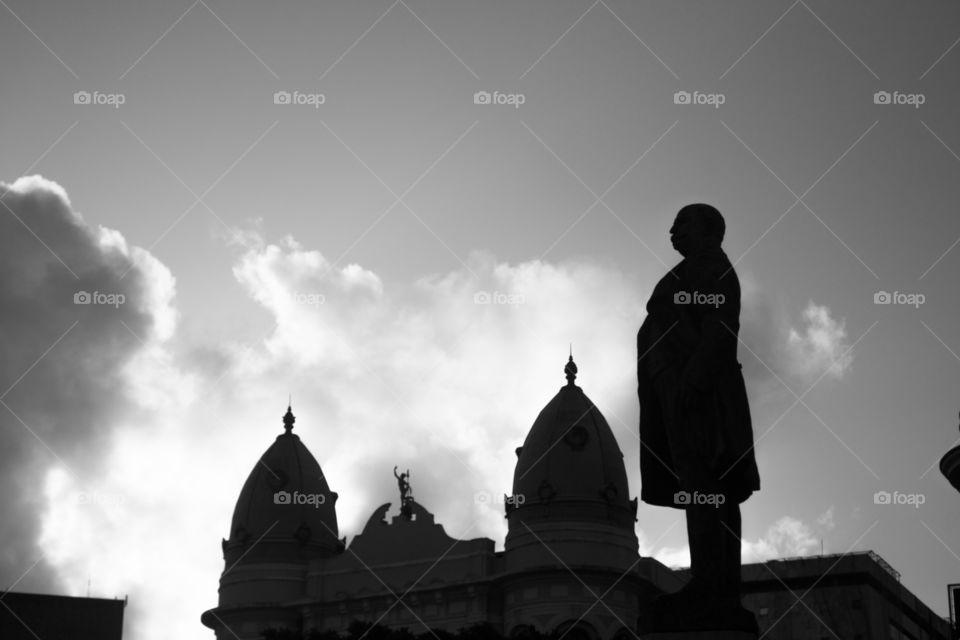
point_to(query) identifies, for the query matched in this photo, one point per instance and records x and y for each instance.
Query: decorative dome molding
(286, 510)
(570, 467)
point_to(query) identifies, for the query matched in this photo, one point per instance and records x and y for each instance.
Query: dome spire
(571, 368)
(289, 418)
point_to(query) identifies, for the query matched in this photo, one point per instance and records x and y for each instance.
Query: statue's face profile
(687, 233)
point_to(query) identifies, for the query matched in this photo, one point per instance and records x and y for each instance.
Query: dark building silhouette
(953, 598)
(950, 466)
(855, 596)
(570, 558)
(28, 616)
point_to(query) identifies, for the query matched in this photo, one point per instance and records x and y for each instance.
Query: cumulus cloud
(443, 375)
(786, 537)
(154, 438)
(79, 305)
(819, 346)
(777, 344)
(825, 519)
(455, 365)
(674, 557)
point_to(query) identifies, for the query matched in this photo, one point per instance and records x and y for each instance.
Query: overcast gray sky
(307, 198)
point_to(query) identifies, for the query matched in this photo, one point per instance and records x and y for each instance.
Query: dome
(570, 467)
(286, 511)
(950, 467)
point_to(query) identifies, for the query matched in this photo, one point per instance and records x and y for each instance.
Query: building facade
(855, 596)
(570, 558)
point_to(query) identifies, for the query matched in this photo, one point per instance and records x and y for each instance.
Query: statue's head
(697, 226)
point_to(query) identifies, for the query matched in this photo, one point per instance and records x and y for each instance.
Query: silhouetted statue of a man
(696, 436)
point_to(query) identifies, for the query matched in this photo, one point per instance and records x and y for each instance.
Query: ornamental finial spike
(571, 368)
(289, 418)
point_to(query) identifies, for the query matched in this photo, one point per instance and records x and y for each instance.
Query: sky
(403, 213)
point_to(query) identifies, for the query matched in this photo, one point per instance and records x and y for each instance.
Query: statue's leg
(714, 536)
(703, 535)
(730, 547)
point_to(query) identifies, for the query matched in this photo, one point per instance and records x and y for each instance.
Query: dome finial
(571, 368)
(289, 418)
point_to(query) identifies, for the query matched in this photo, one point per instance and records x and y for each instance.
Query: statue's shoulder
(711, 265)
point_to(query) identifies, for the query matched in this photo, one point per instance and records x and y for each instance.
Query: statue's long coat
(689, 338)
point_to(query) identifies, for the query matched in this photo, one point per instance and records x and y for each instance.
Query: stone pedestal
(699, 635)
(690, 615)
